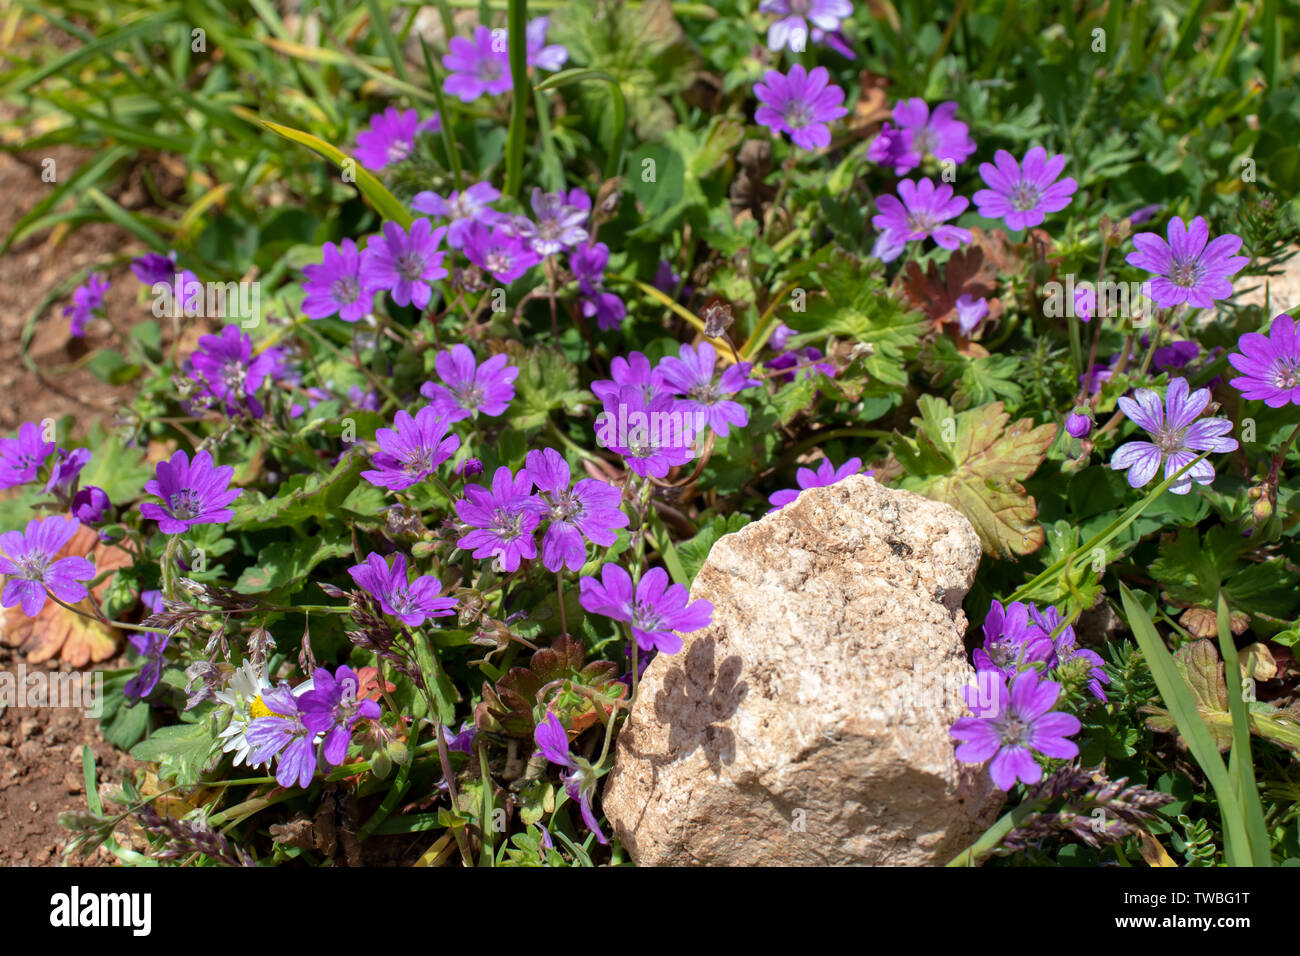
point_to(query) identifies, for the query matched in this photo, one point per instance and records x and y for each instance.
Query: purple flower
(919, 210)
(800, 104)
(404, 264)
(1022, 721)
(1175, 355)
(225, 365)
(1078, 424)
(477, 66)
(635, 371)
(469, 388)
(412, 603)
(90, 504)
(151, 646)
(558, 221)
(544, 57)
(652, 436)
(335, 285)
(580, 782)
(28, 558)
(826, 474)
(588, 262)
(502, 519)
(792, 29)
(411, 450)
(1065, 651)
(1085, 302)
(691, 376)
(469, 468)
(893, 147)
(87, 299)
(499, 251)
(1011, 640)
(153, 268)
(590, 510)
(1022, 193)
(196, 493)
(1176, 434)
(970, 312)
(657, 611)
(1187, 268)
(461, 210)
(606, 308)
(67, 466)
(460, 741)
(331, 708)
(806, 363)
(285, 734)
(1269, 364)
(939, 134)
(391, 137)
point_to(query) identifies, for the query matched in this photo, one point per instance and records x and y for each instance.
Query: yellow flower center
(258, 709)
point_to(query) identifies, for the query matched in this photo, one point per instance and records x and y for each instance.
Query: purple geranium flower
(225, 366)
(691, 376)
(192, 493)
(1078, 423)
(590, 510)
(1269, 364)
(1065, 650)
(502, 519)
(67, 465)
(636, 371)
(404, 264)
(1176, 434)
(919, 210)
(412, 603)
(970, 312)
(469, 388)
(335, 284)
(28, 558)
(1175, 355)
(1022, 193)
(893, 147)
(90, 504)
(558, 221)
(460, 741)
(801, 104)
(477, 66)
(153, 268)
(826, 474)
(411, 450)
(87, 299)
(580, 782)
(544, 57)
(151, 646)
(331, 708)
(939, 133)
(391, 137)
(1022, 721)
(461, 209)
(657, 611)
(1187, 268)
(499, 251)
(792, 29)
(652, 436)
(283, 733)
(1011, 640)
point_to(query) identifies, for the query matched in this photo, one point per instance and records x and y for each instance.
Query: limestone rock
(808, 724)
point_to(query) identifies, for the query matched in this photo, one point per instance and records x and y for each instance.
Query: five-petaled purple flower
(1012, 640)
(801, 104)
(691, 377)
(284, 733)
(590, 509)
(468, 388)
(404, 264)
(921, 133)
(21, 458)
(826, 474)
(657, 610)
(152, 647)
(652, 436)
(1269, 364)
(28, 558)
(225, 366)
(411, 602)
(335, 284)
(557, 223)
(1067, 655)
(498, 250)
(1190, 267)
(192, 492)
(919, 210)
(461, 209)
(391, 137)
(792, 29)
(477, 66)
(580, 781)
(1022, 193)
(411, 450)
(502, 520)
(87, 299)
(331, 708)
(1176, 436)
(1016, 722)
(635, 371)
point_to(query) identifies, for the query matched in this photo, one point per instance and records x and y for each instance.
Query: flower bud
(1078, 424)
(90, 504)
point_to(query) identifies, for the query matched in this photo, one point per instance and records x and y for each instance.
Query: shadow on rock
(697, 696)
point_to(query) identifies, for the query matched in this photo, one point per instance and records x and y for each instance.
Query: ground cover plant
(498, 320)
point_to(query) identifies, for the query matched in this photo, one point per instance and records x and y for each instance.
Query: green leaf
(289, 562)
(547, 382)
(695, 552)
(975, 463)
(301, 497)
(181, 751)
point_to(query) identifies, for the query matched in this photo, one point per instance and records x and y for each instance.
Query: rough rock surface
(808, 724)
